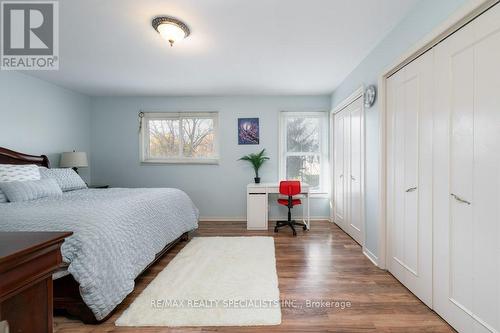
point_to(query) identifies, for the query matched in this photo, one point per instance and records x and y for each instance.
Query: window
(179, 137)
(304, 148)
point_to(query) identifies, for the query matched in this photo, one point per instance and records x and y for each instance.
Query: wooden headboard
(13, 157)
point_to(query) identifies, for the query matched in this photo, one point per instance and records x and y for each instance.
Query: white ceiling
(236, 47)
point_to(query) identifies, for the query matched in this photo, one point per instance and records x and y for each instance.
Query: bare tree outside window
(164, 138)
(198, 137)
(180, 137)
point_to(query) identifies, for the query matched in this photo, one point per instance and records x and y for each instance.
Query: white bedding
(117, 233)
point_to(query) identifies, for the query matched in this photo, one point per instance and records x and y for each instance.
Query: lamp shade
(74, 159)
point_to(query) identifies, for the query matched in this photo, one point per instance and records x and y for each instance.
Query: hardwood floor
(321, 264)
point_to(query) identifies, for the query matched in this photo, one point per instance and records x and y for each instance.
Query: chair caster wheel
(275, 229)
(294, 233)
(304, 227)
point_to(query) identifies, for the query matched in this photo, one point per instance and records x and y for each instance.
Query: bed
(117, 234)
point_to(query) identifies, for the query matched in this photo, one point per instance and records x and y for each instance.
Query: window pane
(304, 168)
(303, 134)
(198, 137)
(163, 138)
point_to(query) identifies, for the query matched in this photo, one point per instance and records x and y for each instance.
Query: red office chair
(289, 188)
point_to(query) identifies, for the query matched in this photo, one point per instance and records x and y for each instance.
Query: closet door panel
(356, 168)
(398, 265)
(340, 170)
(452, 235)
(486, 195)
(390, 133)
(349, 168)
(423, 280)
(410, 176)
(467, 181)
(461, 174)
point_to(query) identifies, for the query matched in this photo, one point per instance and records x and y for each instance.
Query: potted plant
(256, 160)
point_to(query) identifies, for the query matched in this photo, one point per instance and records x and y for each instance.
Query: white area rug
(213, 281)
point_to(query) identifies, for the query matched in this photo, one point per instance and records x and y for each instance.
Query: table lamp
(74, 159)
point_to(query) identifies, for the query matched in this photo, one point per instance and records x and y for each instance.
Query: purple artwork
(248, 131)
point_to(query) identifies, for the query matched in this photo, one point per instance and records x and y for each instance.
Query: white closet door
(466, 177)
(355, 223)
(410, 176)
(341, 160)
(349, 169)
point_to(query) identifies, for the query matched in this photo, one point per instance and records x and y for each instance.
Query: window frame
(180, 159)
(323, 190)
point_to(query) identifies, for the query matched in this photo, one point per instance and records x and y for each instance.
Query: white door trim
(358, 93)
(469, 11)
(351, 98)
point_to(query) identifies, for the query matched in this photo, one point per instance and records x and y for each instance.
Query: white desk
(258, 204)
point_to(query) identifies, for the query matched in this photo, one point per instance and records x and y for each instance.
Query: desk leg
(267, 211)
(306, 213)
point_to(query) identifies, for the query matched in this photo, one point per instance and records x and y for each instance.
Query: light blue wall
(426, 15)
(217, 190)
(37, 117)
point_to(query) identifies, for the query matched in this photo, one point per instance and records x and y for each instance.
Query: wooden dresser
(27, 261)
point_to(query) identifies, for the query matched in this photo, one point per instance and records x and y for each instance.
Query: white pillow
(13, 172)
(67, 179)
(30, 189)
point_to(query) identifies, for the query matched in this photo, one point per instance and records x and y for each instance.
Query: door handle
(460, 199)
(352, 178)
(411, 189)
(341, 176)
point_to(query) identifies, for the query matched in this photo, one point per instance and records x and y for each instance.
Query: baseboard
(222, 219)
(373, 258)
(340, 227)
(244, 219)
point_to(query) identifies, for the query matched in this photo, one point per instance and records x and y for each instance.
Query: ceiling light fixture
(171, 29)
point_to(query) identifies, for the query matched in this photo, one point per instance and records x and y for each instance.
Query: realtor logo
(29, 35)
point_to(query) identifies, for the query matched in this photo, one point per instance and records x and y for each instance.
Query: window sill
(319, 195)
(181, 161)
